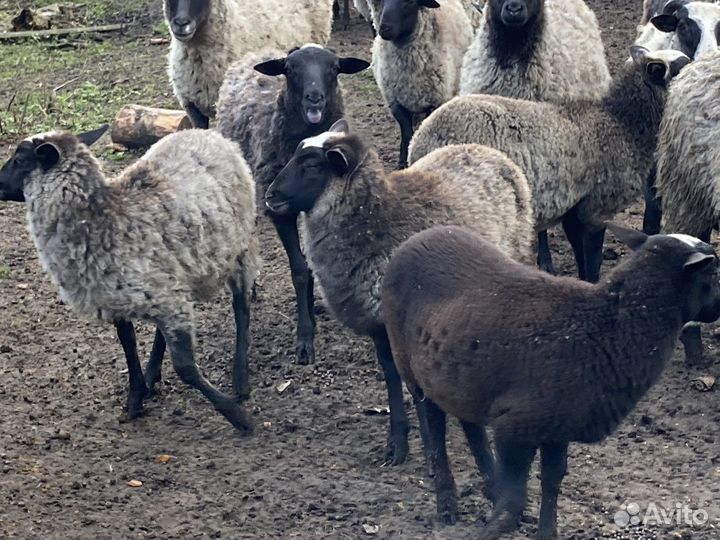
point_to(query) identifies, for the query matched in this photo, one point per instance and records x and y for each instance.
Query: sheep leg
(346, 14)
(477, 439)
(514, 460)
(137, 389)
(397, 446)
(653, 209)
(553, 469)
(180, 341)
(302, 279)
(444, 481)
(198, 119)
(405, 121)
(574, 232)
(241, 311)
(424, 429)
(593, 248)
(154, 366)
(691, 338)
(544, 257)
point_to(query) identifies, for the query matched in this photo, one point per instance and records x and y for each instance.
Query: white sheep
(169, 231)
(209, 35)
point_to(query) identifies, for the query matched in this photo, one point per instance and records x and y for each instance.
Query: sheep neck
(515, 46)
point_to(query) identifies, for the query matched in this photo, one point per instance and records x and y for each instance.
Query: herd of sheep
(509, 123)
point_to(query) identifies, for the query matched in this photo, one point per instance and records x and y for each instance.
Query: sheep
(542, 360)
(585, 161)
(355, 216)
(696, 25)
(688, 169)
(167, 232)
(209, 35)
(416, 57)
(269, 117)
(540, 50)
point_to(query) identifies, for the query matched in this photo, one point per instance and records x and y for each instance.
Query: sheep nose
(314, 97)
(181, 21)
(514, 8)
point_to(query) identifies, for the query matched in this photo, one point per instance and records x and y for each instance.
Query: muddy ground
(313, 467)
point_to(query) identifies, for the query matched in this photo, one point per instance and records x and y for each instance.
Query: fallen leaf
(370, 529)
(134, 483)
(703, 384)
(162, 458)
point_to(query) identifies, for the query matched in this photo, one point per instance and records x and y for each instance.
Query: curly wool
(688, 173)
(424, 73)
(567, 62)
(356, 225)
(169, 231)
(197, 67)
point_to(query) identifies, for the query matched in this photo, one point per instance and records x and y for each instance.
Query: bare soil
(312, 469)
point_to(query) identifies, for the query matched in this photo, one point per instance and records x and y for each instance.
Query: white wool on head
(309, 45)
(318, 141)
(707, 17)
(687, 239)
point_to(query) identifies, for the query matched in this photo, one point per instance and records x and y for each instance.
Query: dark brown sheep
(540, 359)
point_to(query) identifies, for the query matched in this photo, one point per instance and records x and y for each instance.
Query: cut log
(136, 126)
(61, 31)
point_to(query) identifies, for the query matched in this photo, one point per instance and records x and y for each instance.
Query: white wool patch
(43, 136)
(311, 45)
(318, 141)
(687, 239)
(707, 17)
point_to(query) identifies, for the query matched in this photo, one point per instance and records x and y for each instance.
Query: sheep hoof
(396, 452)
(235, 414)
(447, 510)
(550, 534)
(134, 410)
(305, 352)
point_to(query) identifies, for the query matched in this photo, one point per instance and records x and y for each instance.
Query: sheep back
(568, 62)
(424, 73)
(688, 169)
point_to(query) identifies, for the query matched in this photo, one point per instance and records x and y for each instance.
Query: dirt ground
(313, 467)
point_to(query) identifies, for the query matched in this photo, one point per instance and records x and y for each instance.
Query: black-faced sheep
(355, 216)
(209, 35)
(585, 161)
(169, 231)
(543, 361)
(417, 56)
(268, 116)
(541, 50)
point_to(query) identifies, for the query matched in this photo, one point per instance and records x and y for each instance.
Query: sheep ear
(630, 237)
(352, 65)
(339, 157)
(665, 22)
(340, 126)
(273, 68)
(673, 5)
(697, 261)
(48, 154)
(90, 137)
(428, 3)
(638, 54)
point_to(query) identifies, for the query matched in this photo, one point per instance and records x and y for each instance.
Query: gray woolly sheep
(688, 173)
(269, 116)
(167, 232)
(584, 161)
(209, 35)
(416, 57)
(355, 217)
(541, 50)
(544, 361)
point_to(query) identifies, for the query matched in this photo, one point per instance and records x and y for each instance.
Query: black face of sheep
(515, 13)
(311, 73)
(317, 161)
(186, 17)
(30, 156)
(399, 18)
(696, 25)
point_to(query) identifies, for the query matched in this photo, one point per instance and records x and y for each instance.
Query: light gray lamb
(541, 50)
(416, 57)
(167, 232)
(269, 116)
(688, 170)
(209, 35)
(355, 217)
(585, 161)
(544, 361)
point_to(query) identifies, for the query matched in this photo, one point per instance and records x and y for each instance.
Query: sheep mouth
(513, 20)
(314, 115)
(278, 207)
(183, 33)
